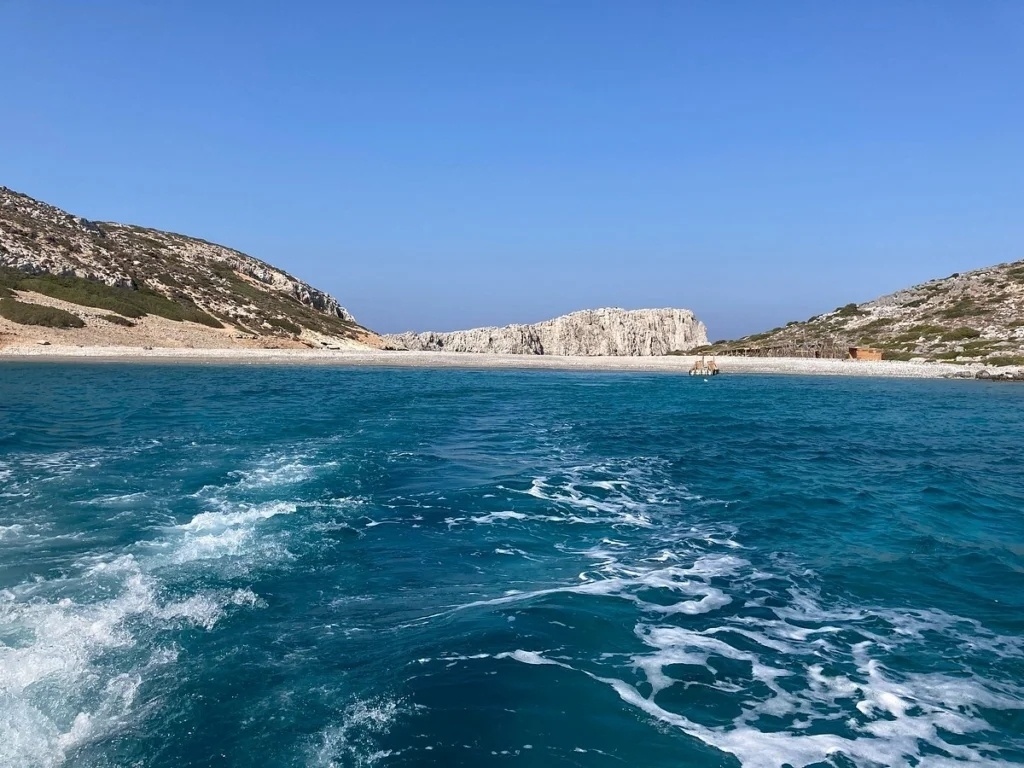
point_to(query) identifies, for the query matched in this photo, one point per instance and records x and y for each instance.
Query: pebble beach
(679, 364)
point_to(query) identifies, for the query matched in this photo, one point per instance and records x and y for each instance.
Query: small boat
(704, 367)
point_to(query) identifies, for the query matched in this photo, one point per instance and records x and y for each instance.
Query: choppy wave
(76, 651)
(805, 680)
(71, 667)
(469, 569)
(232, 531)
(11, 531)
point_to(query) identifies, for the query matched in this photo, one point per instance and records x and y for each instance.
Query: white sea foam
(900, 717)
(887, 718)
(620, 494)
(115, 499)
(530, 657)
(355, 740)
(232, 517)
(811, 678)
(49, 466)
(618, 508)
(495, 517)
(513, 551)
(278, 471)
(14, 531)
(230, 531)
(268, 473)
(689, 580)
(75, 650)
(61, 462)
(57, 688)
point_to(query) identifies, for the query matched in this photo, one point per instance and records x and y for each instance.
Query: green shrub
(285, 325)
(963, 308)
(850, 310)
(1005, 360)
(915, 332)
(85, 293)
(168, 279)
(893, 354)
(123, 301)
(9, 277)
(36, 314)
(194, 314)
(975, 347)
(898, 346)
(876, 325)
(118, 320)
(961, 333)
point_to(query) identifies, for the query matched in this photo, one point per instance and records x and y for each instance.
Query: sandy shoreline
(374, 357)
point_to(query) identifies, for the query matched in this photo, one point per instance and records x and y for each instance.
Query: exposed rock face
(591, 332)
(37, 238)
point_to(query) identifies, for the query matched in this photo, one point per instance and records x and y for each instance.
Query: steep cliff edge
(51, 258)
(590, 332)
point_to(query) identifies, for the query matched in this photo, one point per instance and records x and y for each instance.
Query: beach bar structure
(816, 348)
(865, 353)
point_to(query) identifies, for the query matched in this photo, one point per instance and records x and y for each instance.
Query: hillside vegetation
(971, 317)
(90, 293)
(34, 314)
(133, 271)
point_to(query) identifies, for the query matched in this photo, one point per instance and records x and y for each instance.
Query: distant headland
(73, 284)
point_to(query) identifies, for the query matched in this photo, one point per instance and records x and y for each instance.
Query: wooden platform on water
(704, 367)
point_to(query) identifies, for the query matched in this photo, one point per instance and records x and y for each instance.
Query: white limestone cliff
(590, 332)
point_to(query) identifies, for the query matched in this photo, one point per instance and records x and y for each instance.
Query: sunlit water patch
(316, 567)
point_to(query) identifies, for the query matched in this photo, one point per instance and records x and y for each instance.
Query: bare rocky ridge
(250, 297)
(974, 317)
(591, 332)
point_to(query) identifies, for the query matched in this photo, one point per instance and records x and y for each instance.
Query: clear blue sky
(447, 164)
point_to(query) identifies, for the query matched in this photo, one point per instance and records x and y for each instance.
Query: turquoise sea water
(275, 566)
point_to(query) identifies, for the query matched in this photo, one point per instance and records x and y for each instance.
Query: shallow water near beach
(287, 566)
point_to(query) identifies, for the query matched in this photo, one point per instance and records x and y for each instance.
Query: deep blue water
(275, 566)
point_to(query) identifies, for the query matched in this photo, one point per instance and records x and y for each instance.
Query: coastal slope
(87, 282)
(588, 333)
(970, 317)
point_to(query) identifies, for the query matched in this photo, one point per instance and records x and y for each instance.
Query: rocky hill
(589, 332)
(971, 317)
(145, 279)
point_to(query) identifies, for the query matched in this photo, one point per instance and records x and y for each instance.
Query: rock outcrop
(254, 297)
(970, 317)
(591, 332)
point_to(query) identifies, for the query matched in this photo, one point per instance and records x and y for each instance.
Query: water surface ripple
(276, 566)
